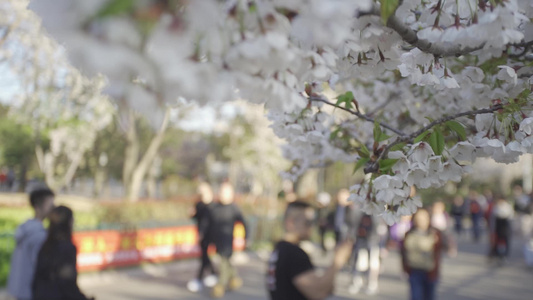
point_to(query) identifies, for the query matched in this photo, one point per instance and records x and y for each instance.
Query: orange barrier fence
(98, 250)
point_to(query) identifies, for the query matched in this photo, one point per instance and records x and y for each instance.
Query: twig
(410, 36)
(526, 45)
(374, 166)
(359, 115)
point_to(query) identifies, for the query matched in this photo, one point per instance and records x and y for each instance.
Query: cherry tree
(411, 91)
(52, 96)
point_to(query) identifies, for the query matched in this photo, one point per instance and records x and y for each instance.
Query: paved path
(468, 276)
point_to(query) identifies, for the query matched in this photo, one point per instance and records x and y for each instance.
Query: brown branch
(525, 45)
(374, 166)
(439, 50)
(410, 36)
(359, 115)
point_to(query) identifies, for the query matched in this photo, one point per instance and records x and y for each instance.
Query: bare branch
(359, 115)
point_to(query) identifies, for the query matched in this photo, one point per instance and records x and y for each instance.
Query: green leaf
(388, 7)
(334, 134)
(398, 147)
(383, 137)
(345, 98)
(377, 131)
(457, 128)
(386, 164)
(436, 141)
(361, 162)
(115, 7)
(363, 151)
(421, 137)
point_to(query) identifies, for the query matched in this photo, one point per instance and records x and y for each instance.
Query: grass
(7, 245)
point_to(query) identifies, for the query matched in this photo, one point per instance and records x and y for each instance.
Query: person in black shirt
(222, 219)
(291, 275)
(201, 216)
(56, 275)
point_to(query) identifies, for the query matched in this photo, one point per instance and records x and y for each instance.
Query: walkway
(465, 277)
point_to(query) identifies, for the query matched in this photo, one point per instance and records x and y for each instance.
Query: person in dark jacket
(458, 211)
(222, 221)
(56, 274)
(201, 216)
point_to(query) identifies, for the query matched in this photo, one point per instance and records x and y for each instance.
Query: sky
(200, 119)
(8, 84)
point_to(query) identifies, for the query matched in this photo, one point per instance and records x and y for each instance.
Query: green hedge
(7, 245)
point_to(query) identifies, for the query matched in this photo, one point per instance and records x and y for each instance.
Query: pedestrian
(10, 180)
(421, 256)
(205, 237)
(523, 211)
(324, 225)
(56, 274)
(290, 274)
(398, 231)
(29, 237)
(458, 212)
(440, 220)
(341, 223)
(439, 217)
(222, 220)
(366, 255)
(502, 217)
(476, 206)
(3, 179)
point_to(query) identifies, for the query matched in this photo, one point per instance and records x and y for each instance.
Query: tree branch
(410, 36)
(374, 166)
(439, 50)
(525, 45)
(359, 115)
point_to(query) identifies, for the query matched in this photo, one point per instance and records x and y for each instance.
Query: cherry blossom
(444, 81)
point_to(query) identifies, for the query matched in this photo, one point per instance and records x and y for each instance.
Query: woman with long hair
(56, 274)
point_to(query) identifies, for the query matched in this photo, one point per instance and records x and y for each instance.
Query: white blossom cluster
(307, 137)
(434, 59)
(52, 96)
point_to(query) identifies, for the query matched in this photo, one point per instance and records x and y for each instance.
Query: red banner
(99, 250)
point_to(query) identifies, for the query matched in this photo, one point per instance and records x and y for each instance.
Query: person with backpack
(421, 256)
(29, 237)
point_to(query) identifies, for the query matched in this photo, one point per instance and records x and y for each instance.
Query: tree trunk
(71, 171)
(40, 157)
(22, 178)
(151, 179)
(99, 180)
(131, 154)
(140, 170)
(48, 170)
